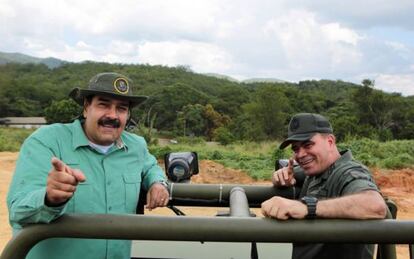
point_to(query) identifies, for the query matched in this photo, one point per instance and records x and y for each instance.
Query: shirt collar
(346, 156)
(79, 138)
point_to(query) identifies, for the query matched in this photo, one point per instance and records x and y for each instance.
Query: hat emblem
(294, 125)
(121, 85)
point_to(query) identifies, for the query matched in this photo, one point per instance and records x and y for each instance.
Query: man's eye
(307, 145)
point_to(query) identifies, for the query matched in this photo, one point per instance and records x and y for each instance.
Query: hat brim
(296, 137)
(78, 95)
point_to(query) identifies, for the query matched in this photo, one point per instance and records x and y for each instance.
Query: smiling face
(105, 119)
(316, 154)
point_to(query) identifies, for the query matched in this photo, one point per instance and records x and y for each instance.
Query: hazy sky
(291, 40)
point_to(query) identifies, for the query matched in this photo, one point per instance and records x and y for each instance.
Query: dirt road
(396, 184)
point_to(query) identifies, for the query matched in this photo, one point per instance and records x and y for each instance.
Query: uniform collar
(79, 138)
(346, 156)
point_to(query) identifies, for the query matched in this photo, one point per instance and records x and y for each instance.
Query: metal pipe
(388, 251)
(221, 229)
(218, 195)
(239, 206)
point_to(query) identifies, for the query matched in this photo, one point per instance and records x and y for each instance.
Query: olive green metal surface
(235, 229)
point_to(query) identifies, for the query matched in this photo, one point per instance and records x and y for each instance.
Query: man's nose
(112, 112)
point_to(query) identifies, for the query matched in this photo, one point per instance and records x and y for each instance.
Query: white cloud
(201, 57)
(290, 40)
(310, 45)
(400, 83)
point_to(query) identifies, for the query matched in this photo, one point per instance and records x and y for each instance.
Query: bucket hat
(108, 84)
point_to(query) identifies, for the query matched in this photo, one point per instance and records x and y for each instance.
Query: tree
(375, 108)
(63, 111)
(191, 120)
(214, 121)
(268, 112)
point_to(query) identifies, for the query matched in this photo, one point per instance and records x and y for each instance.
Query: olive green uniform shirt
(344, 177)
(112, 186)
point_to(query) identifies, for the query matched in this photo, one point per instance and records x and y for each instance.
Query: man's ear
(331, 139)
(85, 107)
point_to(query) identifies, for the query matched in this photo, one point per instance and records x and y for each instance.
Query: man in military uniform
(335, 186)
(89, 166)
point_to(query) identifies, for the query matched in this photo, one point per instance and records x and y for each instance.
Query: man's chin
(107, 139)
(310, 171)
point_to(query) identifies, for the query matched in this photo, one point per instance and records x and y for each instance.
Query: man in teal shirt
(89, 166)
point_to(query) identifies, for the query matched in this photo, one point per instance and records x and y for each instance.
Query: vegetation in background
(185, 103)
(256, 158)
(11, 138)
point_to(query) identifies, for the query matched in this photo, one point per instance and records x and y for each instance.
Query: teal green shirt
(112, 186)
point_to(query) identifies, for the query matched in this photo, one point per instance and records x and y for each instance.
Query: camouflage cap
(109, 84)
(303, 126)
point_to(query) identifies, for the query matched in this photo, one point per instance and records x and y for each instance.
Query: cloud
(289, 40)
(362, 14)
(400, 83)
(201, 57)
(311, 46)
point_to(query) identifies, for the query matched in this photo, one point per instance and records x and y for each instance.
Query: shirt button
(109, 208)
(108, 183)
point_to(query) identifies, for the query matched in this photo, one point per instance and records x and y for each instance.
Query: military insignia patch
(294, 125)
(121, 85)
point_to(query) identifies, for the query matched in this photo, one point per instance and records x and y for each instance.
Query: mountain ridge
(16, 57)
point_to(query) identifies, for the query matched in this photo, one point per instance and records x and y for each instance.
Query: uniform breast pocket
(132, 186)
(86, 199)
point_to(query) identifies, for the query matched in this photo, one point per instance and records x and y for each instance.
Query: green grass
(258, 159)
(393, 154)
(254, 158)
(12, 138)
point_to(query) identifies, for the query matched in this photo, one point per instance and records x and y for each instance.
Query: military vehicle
(236, 233)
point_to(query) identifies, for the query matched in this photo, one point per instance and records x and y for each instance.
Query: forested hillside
(186, 103)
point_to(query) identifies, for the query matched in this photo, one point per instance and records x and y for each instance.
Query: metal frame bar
(220, 229)
(239, 227)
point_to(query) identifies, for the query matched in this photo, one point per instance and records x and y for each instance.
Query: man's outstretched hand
(61, 182)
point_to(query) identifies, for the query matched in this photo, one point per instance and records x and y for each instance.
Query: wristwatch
(310, 202)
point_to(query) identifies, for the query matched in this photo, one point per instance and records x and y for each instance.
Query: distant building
(22, 122)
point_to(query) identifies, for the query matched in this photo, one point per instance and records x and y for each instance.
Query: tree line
(184, 103)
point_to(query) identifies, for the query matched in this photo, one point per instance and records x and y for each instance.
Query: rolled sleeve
(151, 172)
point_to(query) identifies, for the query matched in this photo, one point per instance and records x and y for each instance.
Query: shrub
(224, 136)
(399, 161)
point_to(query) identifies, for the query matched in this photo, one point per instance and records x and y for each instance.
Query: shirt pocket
(85, 199)
(132, 185)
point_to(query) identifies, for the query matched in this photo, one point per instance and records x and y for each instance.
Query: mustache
(115, 123)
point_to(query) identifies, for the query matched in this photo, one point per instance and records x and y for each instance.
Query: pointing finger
(57, 164)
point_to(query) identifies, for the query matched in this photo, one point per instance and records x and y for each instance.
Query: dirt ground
(396, 184)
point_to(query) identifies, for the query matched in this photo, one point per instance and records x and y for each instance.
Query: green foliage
(62, 111)
(250, 111)
(158, 151)
(399, 161)
(390, 154)
(223, 136)
(190, 140)
(12, 138)
(258, 159)
(268, 111)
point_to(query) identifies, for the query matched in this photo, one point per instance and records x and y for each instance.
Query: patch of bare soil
(396, 184)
